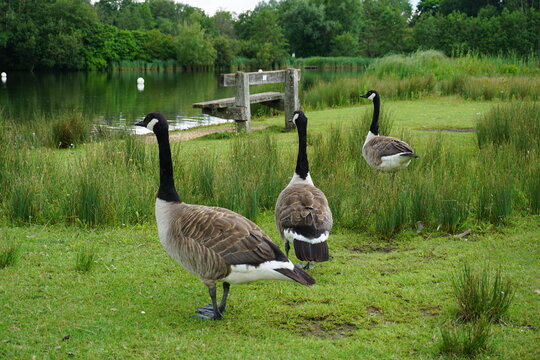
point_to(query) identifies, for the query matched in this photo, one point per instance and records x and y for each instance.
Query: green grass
(85, 259)
(8, 254)
(383, 295)
(370, 301)
(431, 74)
(467, 341)
(109, 183)
(482, 295)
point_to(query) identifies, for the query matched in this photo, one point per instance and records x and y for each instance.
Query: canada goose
(303, 216)
(216, 244)
(383, 152)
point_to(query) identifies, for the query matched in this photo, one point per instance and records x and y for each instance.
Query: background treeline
(162, 34)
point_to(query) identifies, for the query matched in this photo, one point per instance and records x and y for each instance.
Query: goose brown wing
(387, 146)
(304, 208)
(233, 237)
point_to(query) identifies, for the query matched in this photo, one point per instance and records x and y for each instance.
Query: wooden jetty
(238, 108)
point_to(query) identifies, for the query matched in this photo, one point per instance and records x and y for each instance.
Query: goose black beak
(140, 123)
(364, 96)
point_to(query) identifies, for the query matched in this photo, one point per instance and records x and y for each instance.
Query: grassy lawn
(376, 298)
(373, 300)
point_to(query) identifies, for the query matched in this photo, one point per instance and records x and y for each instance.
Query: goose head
(155, 122)
(371, 95)
(299, 119)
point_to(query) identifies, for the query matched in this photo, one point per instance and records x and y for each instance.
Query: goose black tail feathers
(413, 155)
(311, 252)
(297, 275)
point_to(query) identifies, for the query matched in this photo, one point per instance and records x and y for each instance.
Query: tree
(267, 40)
(385, 27)
(193, 48)
(306, 28)
(342, 15)
(345, 44)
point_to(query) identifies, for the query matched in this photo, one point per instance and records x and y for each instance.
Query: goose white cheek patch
(151, 124)
(294, 118)
(372, 96)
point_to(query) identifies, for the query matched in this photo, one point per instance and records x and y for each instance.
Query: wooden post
(291, 99)
(241, 101)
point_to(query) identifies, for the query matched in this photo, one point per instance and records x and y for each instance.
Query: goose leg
(222, 304)
(214, 313)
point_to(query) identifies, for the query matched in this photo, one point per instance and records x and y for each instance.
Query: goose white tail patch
(394, 162)
(151, 124)
(372, 96)
(265, 271)
(290, 236)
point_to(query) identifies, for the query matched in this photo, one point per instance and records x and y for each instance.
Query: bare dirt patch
(325, 327)
(369, 248)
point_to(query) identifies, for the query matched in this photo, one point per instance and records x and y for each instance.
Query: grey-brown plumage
(383, 152)
(215, 244)
(302, 214)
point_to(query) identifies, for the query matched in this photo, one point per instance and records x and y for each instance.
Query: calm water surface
(113, 99)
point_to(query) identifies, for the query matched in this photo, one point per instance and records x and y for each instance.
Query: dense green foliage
(76, 34)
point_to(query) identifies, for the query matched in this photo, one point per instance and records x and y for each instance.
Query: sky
(237, 6)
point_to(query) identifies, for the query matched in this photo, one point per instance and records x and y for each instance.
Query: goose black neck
(167, 190)
(302, 165)
(375, 121)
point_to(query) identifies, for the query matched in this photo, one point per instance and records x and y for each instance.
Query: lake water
(113, 99)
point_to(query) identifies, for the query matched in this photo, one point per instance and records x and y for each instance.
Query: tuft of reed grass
(465, 340)
(8, 255)
(203, 176)
(70, 130)
(135, 153)
(495, 199)
(85, 259)
(89, 201)
(332, 63)
(533, 187)
(482, 294)
(517, 123)
(22, 204)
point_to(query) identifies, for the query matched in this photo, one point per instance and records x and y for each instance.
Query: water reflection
(115, 100)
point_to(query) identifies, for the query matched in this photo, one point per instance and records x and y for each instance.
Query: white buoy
(260, 70)
(140, 86)
(140, 80)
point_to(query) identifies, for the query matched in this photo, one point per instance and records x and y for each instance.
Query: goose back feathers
(215, 244)
(383, 152)
(302, 214)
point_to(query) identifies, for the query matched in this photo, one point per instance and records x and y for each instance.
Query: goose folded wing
(307, 212)
(234, 238)
(390, 146)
